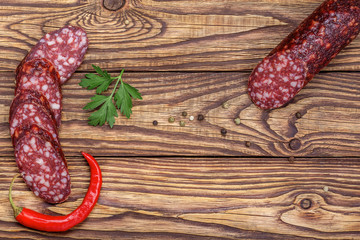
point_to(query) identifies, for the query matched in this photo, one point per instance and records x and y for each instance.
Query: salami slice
(31, 112)
(64, 48)
(309, 48)
(40, 75)
(41, 164)
(30, 96)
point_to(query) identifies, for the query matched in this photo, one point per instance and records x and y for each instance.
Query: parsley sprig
(122, 97)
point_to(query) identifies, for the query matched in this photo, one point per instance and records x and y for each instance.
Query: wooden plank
(328, 124)
(147, 35)
(203, 198)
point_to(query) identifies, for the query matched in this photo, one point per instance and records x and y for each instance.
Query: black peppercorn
(155, 123)
(200, 117)
(223, 131)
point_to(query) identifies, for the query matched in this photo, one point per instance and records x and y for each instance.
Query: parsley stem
(117, 82)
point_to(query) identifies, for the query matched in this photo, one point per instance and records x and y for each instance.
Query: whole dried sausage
(309, 48)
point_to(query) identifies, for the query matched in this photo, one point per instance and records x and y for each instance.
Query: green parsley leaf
(106, 113)
(132, 91)
(106, 108)
(101, 72)
(123, 98)
(101, 82)
(123, 101)
(97, 100)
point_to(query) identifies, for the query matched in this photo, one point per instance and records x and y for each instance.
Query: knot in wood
(305, 203)
(113, 5)
(295, 144)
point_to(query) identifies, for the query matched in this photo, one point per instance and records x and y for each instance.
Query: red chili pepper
(42, 222)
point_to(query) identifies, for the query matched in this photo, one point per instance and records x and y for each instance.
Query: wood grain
(329, 124)
(150, 35)
(203, 198)
(172, 182)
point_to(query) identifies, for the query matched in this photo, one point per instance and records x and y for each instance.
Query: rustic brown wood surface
(290, 173)
(204, 198)
(323, 120)
(144, 35)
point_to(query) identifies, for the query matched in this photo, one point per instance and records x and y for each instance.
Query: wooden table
(290, 173)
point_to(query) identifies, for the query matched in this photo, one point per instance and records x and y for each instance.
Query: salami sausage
(64, 48)
(40, 75)
(30, 112)
(35, 113)
(30, 96)
(41, 163)
(309, 48)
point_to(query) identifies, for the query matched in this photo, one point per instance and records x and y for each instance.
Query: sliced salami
(31, 112)
(64, 48)
(309, 48)
(40, 75)
(30, 96)
(41, 164)
(35, 113)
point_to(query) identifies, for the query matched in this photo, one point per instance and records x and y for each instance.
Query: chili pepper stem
(17, 210)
